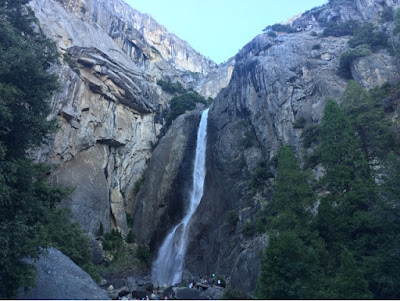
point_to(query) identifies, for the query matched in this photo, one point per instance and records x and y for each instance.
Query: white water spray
(167, 269)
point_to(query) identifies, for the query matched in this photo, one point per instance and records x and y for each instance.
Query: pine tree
(367, 117)
(289, 269)
(350, 282)
(27, 201)
(293, 199)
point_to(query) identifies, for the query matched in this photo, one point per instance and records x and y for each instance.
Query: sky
(218, 29)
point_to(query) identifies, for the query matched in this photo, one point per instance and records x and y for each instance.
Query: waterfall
(167, 268)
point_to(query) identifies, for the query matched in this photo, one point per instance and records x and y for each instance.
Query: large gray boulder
(58, 277)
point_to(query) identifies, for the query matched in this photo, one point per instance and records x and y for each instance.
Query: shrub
(113, 241)
(100, 232)
(349, 56)
(69, 238)
(130, 238)
(172, 88)
(182, 103)
(234, 294)
(232, 218)
(367, 35)
(144, 255)
(137, 185)
(387, 15)
(271, 34)
(310, 135)
(248, 228)
(342, 29)
(299, 123)
(281, 28)
(316, 47)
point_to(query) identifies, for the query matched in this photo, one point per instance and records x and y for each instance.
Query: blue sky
(219, 28)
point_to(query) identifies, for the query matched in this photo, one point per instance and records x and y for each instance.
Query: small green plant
(129, 219)
(316, 47)
(113, 241)
(349, 56)
(368, 35)
(137, 185)
(280, 28)
(234, 294)
(144, 255)
(299, 123)
(130, 238)
(71, 63)
(311, 135)
(232, 218)
(248, 228)
(342, 29)
(172, 88)
(182, 103)
(100, 232)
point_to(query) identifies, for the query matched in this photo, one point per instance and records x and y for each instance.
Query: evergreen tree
(344, 216)
(26, 199)
(368, 120)
(293, 199)
(350, 282)
(289, 269)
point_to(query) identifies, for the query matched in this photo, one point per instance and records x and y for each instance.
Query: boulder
(58, 277)
(189, 294)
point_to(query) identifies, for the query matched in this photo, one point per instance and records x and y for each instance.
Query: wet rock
(119, 292)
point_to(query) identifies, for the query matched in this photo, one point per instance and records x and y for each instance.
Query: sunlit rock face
(275, 83)
(109, 108)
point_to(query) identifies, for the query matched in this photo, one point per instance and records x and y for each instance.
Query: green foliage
(365, 110)
(100, 232)
(289, 269)
(396, 29)
(129, 219)
(342, 29)
(172, 88)
(310, 135)
(387, 15)
(27, 201)
(293, 198)
(137, 185)
(316, 47)
(144, 255)
(69, 238)
(113, 241)
(260, 175)
(271, 34)
(248, 228)
(280, 28)
(232, 218)
(350, 282)
(130, 238)
(349, 56)
(234, 294)
(299, 123)
(71, 63)
(182, 103)
(367, 35)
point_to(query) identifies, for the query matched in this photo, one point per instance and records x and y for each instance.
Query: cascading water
(167, 268)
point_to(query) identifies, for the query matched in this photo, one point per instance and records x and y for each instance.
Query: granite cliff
(111, 112)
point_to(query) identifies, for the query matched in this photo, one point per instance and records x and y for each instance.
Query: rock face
(111, 112)
(160, 203)
(59, 278)
(110, 109)
(276, 81)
